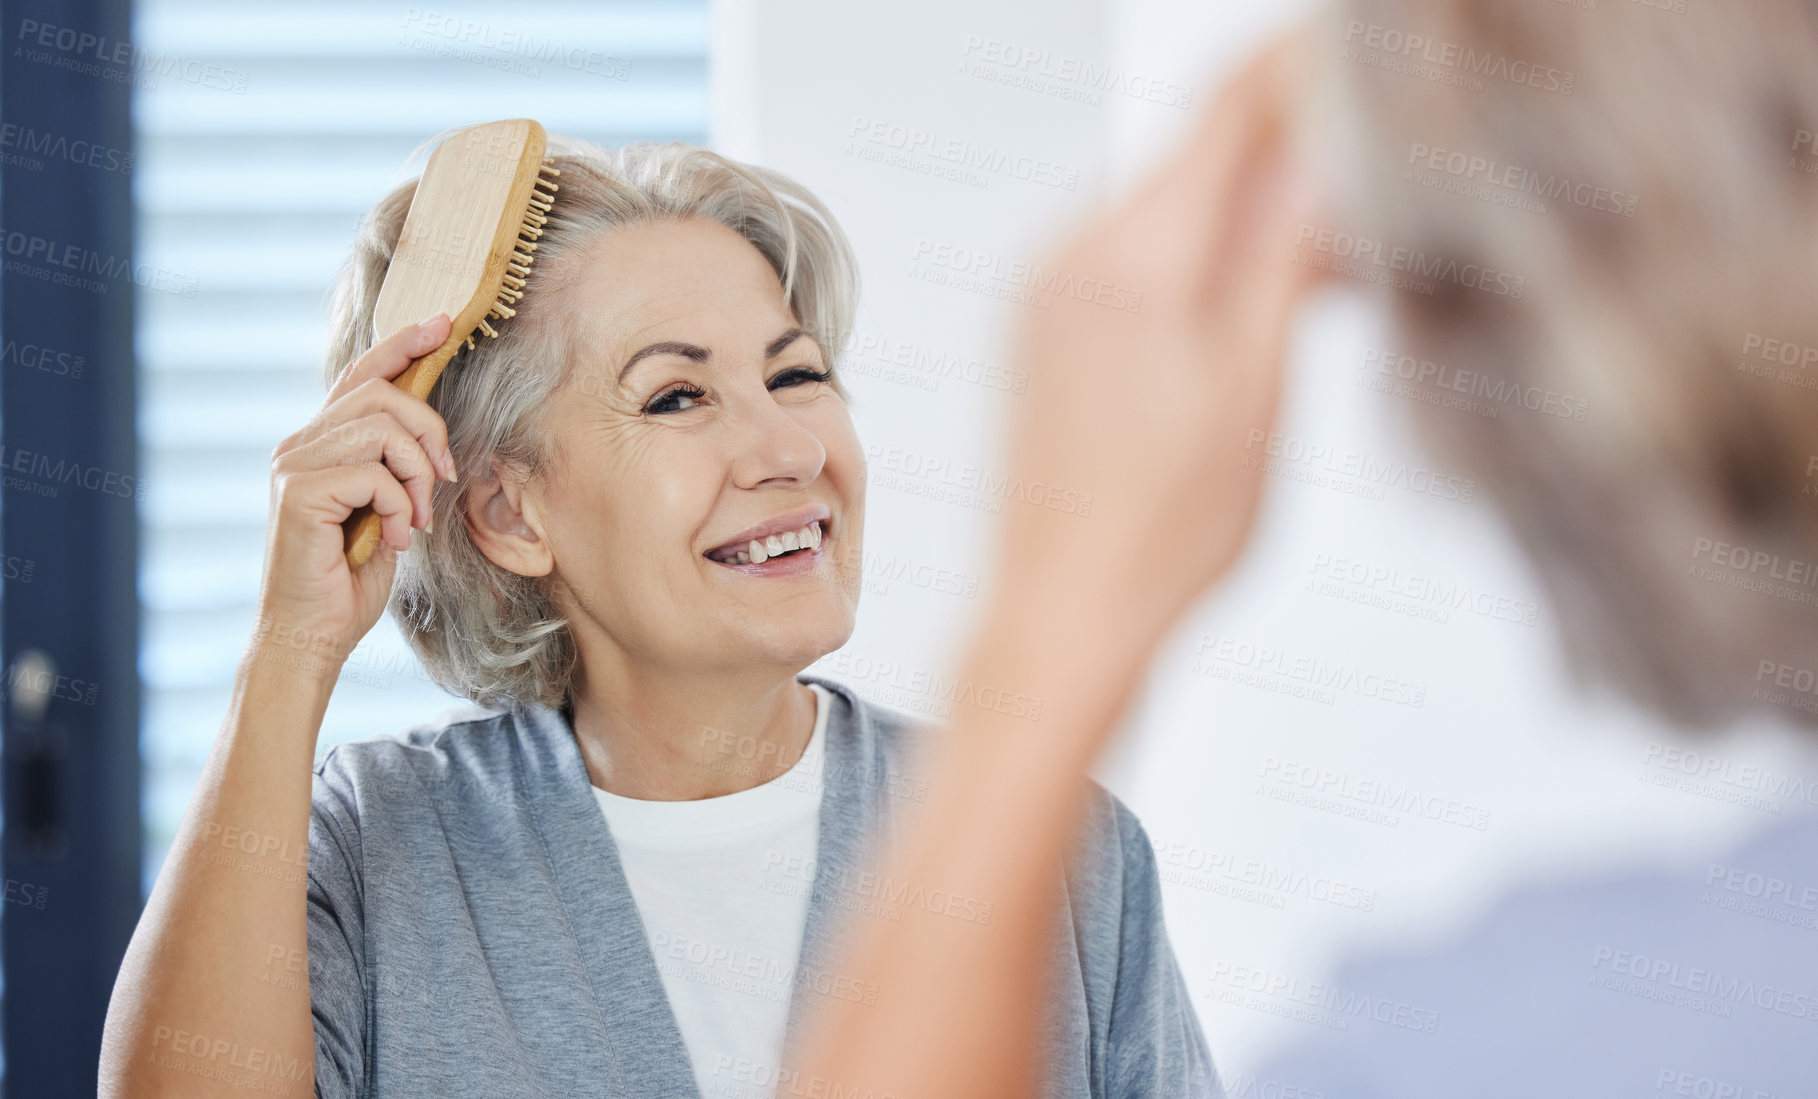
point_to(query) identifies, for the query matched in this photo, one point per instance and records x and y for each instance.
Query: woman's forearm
(951, 1018)
(214, 990)
(1173, 491)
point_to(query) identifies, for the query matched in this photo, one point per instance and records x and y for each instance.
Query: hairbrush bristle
(511, 289)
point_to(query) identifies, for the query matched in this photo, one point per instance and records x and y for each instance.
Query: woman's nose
(771, 442)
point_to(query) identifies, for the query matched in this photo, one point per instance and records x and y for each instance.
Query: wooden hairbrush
(466, 247)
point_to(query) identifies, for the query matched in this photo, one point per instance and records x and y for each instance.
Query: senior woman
(623, 528)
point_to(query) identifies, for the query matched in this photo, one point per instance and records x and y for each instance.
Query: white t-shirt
(723, 918)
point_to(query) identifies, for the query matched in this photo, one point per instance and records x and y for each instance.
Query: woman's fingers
(379, 437)
(375, 396)
(369, 445)
(389, 357)
(329, 496)
(422, 421)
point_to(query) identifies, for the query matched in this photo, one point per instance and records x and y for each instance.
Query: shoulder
(1111, 847)
(1113, 832)
(460, 744)
(1706, 963)
(1112, 880)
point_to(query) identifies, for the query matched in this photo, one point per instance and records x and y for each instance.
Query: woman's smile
(792, 552)
(795, 563)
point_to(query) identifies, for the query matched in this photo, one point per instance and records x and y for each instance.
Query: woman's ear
(502, 520)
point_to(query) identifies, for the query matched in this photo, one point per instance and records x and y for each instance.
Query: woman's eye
(803, 376)
(662, 405)
(788, 379)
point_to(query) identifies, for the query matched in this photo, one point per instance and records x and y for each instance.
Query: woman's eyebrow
(701, 354)
(775, 347)
(667, 347)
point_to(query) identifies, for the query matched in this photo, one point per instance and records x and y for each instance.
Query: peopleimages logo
(1763, 887)
(1498, 392)
(1194, 866)
(1275, 450)
(1325, 997)
(1423, 591)
(1085, 80)
(25, 142)
(1718, 770)
(1551, 188)
(1699, 982)
(1756, 562)
(42, 475)
(1463, 61)
(1373, 792)
(113, 59)
(1785, 352)
(1315, 674)
(962, 153)
(1410, 262)
(966, 476)
(1029, 276)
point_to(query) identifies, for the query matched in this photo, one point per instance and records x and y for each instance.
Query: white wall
(1501, 731)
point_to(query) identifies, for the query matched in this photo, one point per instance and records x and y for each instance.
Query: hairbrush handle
(360, 531)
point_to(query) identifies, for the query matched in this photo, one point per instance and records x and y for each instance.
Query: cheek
(658, 496)
(619, 498)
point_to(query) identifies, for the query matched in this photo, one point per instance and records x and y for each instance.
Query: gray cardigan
(471, 931)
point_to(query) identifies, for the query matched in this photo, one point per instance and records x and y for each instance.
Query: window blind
(263, 133)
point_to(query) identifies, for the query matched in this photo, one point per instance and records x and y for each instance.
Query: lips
(789, 520)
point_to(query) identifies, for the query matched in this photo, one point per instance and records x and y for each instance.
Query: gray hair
(481, 631)
(1640, 308)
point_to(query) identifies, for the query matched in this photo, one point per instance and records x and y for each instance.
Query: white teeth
(756, 552)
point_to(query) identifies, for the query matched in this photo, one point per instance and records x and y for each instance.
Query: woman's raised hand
(370, 443)
(1149, 413)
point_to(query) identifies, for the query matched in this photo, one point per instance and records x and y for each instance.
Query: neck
(669, 734)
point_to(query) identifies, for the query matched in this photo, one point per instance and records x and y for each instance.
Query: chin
(801, 640)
